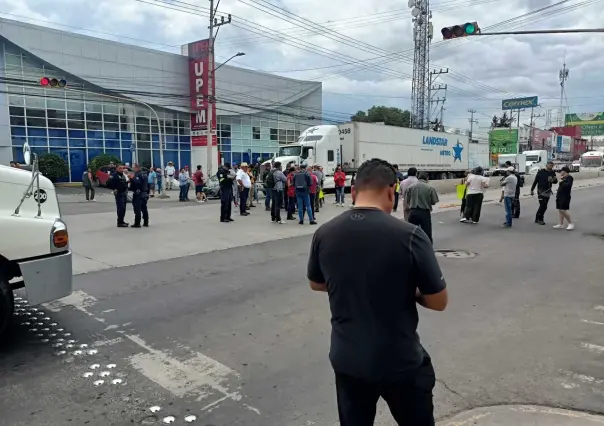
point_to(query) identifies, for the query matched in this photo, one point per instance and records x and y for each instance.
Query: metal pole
(210, 138)
(530, 138)
(564, 31)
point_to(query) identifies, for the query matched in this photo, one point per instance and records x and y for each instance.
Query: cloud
(364, 50)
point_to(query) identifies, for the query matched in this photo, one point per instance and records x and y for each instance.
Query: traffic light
(456, 31)
(53, 82)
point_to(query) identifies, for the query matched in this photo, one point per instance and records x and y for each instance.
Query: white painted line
(599, 308)
(78, 299)
(592, 347)
(592, 322)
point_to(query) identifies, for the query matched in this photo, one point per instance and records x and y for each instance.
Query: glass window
(111, 118)
(35, 102)
(111, 135)
(256, 132)
(112, 144)
(56, 123)
(126, 136)
(77, 143)
(14, 89)
(18, 140)
(57, 133)
(185, 131)
(12, 59)
(142, 129)
(94, 135)
(75, 106)
(141, 111)
(17, 131)
(36, 122)
(94, 125)
(75, 124)
(55, 104)
(92, 107)
(75, 115)
(17, 121)
(95, 143)
(274, 134)
(111, 109)
(94, 116)
(16, 111)
(77, 134)
(57, 142)
(53, 113)
(112, 126)
(34, 91)
(32, 131)
(16, 100)
(330, 156)
(31, 112)
(37, 141)
(126, 144)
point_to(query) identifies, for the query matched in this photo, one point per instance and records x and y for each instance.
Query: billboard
(503, 141)
(542, 139)
(200, 90)
(591, 123)
(520, 103)
(563, 143)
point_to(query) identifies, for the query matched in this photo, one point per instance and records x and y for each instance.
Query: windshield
(290, 151)
(591, 161)
(532, 158)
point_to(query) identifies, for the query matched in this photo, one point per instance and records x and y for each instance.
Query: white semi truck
(441, 155)
(592, 160)
(34, 248)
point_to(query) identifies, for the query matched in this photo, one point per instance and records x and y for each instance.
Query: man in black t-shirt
(544, 179)
(375, 349)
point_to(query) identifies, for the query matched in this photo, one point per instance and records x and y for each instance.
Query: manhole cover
(458, 254)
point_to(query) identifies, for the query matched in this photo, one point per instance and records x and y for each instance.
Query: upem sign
(200, 90)
(520, 103)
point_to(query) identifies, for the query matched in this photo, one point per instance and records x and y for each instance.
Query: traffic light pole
(564, 31)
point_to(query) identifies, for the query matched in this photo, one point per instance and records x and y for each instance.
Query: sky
(362, 51)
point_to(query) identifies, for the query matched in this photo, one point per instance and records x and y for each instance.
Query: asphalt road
(236, 337)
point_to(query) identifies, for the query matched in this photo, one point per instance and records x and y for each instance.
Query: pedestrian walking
(410, 180)
(139, 185)
(374, 306)
(420, 198)
(563, 199)
(544, 179)
(225, 180)
(183, 182)
(244, 184)
(399, 179)
(302, 182)
(119, 184)
(339, 179)
(280, 181)
(476, 186)
(170, 172)
(509, 183)
(88, 184)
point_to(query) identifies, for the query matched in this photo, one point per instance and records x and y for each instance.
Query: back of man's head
(198, 167)
(423, 176)
(375, 175)
(478, 170)
(277, 165)
(412, 171)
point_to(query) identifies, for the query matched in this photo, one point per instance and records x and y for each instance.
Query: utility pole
(472, 121)
(434, 88)
(563, 75)
(211, 99)
(532, 127)
(422, 36)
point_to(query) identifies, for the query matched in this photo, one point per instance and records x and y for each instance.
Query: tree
(102, 160)
(382, 114)
(53, 167)
(503, 121)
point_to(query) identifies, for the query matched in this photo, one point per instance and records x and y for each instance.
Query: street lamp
(232, 57)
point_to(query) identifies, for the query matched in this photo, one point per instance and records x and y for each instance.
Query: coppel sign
(519, 103)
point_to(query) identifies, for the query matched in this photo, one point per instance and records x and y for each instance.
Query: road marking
(592, 322)
(599, 308)
(592, 347)
(78, 299)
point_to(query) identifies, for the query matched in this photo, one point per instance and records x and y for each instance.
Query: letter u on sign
(198, 68)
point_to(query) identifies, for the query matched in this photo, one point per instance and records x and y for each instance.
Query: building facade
(120, 99)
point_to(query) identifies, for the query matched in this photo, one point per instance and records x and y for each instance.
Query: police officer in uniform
(139, 185)
(119, 184)
(226, 179)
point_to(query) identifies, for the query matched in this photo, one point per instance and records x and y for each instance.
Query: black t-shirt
(564, 187)
(372, 264)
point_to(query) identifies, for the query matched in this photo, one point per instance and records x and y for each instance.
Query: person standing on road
(278, 191)
(339, 179)
(563, 199)
(399, 179)
(544, 179)
(267, 190)
(170, 172)
(303, 182)
(319, 174)
(420, 198)
(516, 202)
(139, 185)
(152, 179)
(476, 185)
(198, 181)
(375, 349)
(245, 185)
(291, 194)
(88, 184)
(119, 184)
(313, 192)
(508, 193)
(225, 180)
(183, 181)
(159, 176)
(410, 180)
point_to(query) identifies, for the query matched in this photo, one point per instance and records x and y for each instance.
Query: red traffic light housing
(53, 82)
(457, 31)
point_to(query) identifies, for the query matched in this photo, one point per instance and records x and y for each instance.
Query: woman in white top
(476, 185)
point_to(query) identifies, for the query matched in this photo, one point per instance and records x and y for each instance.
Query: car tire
(7, 305)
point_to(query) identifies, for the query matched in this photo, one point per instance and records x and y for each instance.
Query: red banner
(200, 91)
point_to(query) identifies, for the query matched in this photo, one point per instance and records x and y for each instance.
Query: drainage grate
(457, 254)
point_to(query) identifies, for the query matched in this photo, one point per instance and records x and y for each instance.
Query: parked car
(212, 188)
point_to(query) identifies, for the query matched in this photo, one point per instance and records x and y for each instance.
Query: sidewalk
(523, 415)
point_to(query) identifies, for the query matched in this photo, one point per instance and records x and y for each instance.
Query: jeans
(313, 200)
(423, 219)
(507, 202)
(340, 194)
(243, 194)
(267, 200)
(184, 192)
(89, 193)
(255, 189)
(277, 198)
(303, 199)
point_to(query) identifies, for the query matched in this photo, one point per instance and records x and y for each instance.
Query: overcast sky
(365, 58)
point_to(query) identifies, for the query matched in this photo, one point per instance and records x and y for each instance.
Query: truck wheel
(7, 305)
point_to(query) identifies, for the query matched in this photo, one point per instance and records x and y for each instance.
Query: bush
(102, 160)
(53, 167)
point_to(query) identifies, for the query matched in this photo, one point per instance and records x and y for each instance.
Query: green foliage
(53, 167)
(382, 114)
(102, 160)
(503, 121)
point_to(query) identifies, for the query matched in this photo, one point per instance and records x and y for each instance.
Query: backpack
(270, 180)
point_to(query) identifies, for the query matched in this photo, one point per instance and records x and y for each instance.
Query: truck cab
(535, 160)
(592, 160)
(34, 249)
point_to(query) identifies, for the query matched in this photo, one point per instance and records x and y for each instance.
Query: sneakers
(570, 227)
(463, 220)
(281, 222)
(558, 226)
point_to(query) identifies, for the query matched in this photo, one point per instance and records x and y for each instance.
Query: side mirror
(27, 154)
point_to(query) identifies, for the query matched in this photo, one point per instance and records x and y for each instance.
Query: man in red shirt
(198, 181)
(291, 194)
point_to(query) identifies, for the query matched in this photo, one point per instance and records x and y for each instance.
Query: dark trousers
(409, 399)
(139, 205)
(516, 207)
(121, 198)
(313, 207)
(423, 219)
(543, 202)
(277, 199)
(226, 198)
(89, 193)
(473, 207)
(243, 194)
(291, 206)
(396, 195)
(184, 192)
(267, 200)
